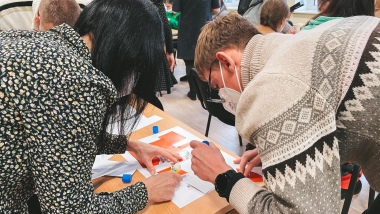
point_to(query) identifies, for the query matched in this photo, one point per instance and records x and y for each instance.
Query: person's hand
(291, 31)
(161, 187)
(250, 159)
(146, 152)
(207, 162)
(170, 57)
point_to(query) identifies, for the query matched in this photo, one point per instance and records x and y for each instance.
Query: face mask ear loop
(220, 65)
(237, 77)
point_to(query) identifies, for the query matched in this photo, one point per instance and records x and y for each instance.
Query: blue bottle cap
(127, 178)
(206, 142)
(155, 129)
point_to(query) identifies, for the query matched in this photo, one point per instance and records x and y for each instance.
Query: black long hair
(348, 8)
(127, 45)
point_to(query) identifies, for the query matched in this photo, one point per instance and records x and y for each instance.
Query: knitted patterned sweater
(311, 102)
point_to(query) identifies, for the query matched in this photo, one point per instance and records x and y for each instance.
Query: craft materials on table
(177, 140)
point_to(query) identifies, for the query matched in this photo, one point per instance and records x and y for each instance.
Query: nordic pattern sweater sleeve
(166, 25)
(289, 110)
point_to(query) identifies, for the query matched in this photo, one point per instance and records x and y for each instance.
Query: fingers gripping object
(176, 168)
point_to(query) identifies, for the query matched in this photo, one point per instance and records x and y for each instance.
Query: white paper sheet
(143, 122)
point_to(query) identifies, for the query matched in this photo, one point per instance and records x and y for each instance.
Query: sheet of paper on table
(177, 139)
(143, 122)
(105, 167)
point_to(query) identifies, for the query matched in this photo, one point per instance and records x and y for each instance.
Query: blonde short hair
(229, 31)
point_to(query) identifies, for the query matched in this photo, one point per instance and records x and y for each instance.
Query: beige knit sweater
(311, 101)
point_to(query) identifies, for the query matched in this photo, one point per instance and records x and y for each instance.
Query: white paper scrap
(193, 180)
(185, 194)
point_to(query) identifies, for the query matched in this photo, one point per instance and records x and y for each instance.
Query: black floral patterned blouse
(52, 103)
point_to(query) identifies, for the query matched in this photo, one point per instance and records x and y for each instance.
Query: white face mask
(281, 29)
(170, 10)
(230, 96)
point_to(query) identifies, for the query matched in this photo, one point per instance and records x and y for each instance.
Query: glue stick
(176, 168)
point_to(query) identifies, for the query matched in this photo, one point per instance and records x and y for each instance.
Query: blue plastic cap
(206, 142)
(127, 178)
(155, 129)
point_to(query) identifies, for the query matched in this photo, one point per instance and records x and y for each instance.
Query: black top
(165, 22)
(194, 15)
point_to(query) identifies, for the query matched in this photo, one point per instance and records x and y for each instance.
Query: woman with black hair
(60, 90)
(337, 9)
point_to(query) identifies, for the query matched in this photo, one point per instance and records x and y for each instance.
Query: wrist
(132, 145)
(222, 169)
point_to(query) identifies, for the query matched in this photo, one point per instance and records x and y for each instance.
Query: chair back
(215, 109)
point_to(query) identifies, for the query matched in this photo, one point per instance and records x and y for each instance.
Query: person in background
(253, 15)
(194, 15)
(322, 5)
(60, 91)
(173, 18)
(36, 4)
(273, 17)
(223, 10)
(51, 13)
(309, 102)
(338, 9)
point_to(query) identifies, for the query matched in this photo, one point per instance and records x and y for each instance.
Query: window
(231, 4)
(311, 6)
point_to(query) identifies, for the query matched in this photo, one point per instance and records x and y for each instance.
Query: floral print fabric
(52, 103)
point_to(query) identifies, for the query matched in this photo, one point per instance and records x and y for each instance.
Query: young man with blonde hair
(308, 102)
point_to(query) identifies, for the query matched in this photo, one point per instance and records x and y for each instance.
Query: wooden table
(209, 203)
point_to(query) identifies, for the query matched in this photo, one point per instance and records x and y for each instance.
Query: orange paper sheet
(181, 172)
(166, 142)
(253, 176)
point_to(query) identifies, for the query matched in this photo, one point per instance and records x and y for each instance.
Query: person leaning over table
(308, 102)
(59, 91)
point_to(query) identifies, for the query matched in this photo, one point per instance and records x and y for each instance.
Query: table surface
(209, 203)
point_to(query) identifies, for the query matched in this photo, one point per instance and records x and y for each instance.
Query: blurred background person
(173, 18)
(194, 15)
(273, 17)
(51, 13)
(254, 11)
(337, 9)
(223, 10)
